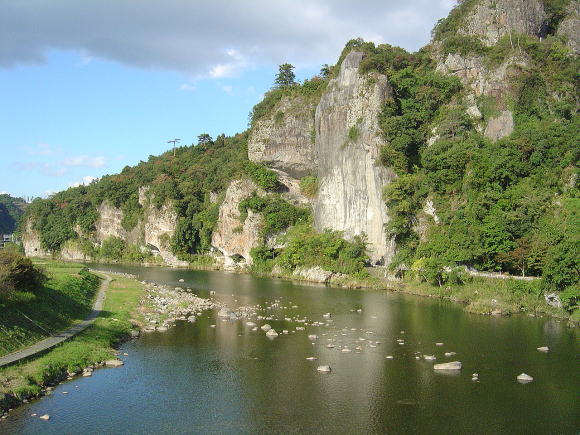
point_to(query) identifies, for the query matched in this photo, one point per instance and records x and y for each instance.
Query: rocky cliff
(232, 237)
(285, 141)
(490, 20)
(350, 178)
(152, 233)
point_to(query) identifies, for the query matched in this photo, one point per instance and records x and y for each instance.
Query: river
(227, 379)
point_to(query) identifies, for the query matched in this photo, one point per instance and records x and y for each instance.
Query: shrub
(309, 186)
(113, 248)
(278, 214)
(262, 176)
(18, 273)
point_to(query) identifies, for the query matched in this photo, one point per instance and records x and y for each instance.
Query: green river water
(227, 379)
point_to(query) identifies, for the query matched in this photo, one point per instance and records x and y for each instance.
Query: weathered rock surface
(231, 236)
(350, 178)
(490, 20)
(500, 126)
(158, 227)
(324, 369)
(570, 26)
(285, 140)
(313, 274)
(113, 363)
(31, 242)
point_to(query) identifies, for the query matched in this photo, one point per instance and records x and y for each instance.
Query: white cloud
(86, 180)
(214, 39)
(187, 87)
(84, 160)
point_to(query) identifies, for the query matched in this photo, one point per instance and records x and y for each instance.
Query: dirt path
(53, 340)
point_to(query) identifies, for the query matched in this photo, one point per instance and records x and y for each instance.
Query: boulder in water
(453, 365)
(324, 369)
(524, 378)
(271, 333)
(266, 327)
(544, 349)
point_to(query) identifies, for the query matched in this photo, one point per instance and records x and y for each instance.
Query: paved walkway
(52, 341)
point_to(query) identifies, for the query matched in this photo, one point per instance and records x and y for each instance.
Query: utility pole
(174, 141)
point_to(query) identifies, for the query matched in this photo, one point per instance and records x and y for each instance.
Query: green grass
(92, 346)
(27, 317)
(485, 295)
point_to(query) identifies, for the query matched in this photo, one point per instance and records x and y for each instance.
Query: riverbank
(81, 354)
(499, 296)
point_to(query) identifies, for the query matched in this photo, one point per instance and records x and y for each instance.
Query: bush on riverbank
(17, 273)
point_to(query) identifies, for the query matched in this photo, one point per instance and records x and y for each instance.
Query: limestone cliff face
(284, 141)
(158, 227)
(31, 242)
(350, 178)
(490, 20)
(570, 26)
(109, 224)
(153, 232)
(231, 236)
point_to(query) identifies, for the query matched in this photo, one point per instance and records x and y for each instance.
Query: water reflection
(228, 379)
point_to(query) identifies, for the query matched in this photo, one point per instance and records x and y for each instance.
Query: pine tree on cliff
(285, 76)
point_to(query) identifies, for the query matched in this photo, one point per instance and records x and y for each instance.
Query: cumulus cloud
(214, 39)
(86, 180)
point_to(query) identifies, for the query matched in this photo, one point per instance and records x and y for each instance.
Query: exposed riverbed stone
(453, 365)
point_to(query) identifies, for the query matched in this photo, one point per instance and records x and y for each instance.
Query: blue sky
(89, 87)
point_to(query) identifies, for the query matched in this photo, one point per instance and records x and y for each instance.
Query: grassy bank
(29, 316)
(90, 347)
(489, 296)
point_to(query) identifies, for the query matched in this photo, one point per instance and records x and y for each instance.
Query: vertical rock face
(158, 228)
(284, 141)
(231, 236)
(31, 242)
(490, 20)
(350, 178)
(109, 223)
(500, 126)
(570, 26)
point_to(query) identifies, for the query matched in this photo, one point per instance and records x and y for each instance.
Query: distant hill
(11, 210)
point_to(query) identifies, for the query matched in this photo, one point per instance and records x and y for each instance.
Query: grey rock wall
(284, 141)
(350, 178)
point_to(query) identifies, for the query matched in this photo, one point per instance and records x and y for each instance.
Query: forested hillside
(478, 143)
(11, 210)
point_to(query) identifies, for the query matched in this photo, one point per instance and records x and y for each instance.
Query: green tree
(204, 139)
(285, 76)
(325, 71)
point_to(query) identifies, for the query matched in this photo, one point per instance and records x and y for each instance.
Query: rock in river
(45, 417)
(266, 327)
(524, 379)
(453, 365)
(544, 349)
(271, 333)
(113, 363)
(324, 369)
